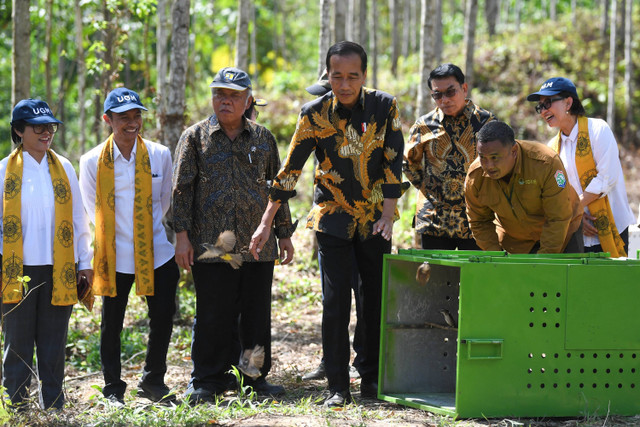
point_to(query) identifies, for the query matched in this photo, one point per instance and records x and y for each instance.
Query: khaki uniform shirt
(537, 204)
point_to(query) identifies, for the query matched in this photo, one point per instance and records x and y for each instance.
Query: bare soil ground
(297, 349)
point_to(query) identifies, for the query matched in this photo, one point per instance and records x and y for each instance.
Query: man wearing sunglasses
(442, 145)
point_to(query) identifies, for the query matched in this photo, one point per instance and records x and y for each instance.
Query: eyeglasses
(546, 104)
(51, 127)
(449, 93)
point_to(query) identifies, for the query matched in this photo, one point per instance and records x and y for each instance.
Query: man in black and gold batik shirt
(356, 135)
(442, 145)
(223, 168)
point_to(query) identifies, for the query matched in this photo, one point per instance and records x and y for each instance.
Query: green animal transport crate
(526, 335)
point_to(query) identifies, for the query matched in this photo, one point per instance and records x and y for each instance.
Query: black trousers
(337, 265)
(35, 321)
(448, 243)
(161, 308)
(233, 313)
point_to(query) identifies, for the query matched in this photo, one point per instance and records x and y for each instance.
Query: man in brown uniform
(518, 198)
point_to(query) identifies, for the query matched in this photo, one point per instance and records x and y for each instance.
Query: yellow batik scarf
(610, 239)
(105, 239)
(64, 269)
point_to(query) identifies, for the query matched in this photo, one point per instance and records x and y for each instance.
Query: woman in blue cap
(589, 152)
(45, 235)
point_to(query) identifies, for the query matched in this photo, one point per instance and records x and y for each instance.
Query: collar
(117, 153)
(467, 111)
(573, 136)
(335, 104)
(214, 125)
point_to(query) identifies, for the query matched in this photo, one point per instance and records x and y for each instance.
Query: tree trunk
(628, 71)
(469, 40)
(47, 59)
(161, 67)
(350, 28)
(518, 11)
(604, 22)
(552, 10)
(242, 34)
(574, 13)
(406, 19)
(437, 31)
(21, 52)
(82, 77)
(362, 24)
(426, 53)
(373, 54)
(491, 14)
(339, 20)
(393, 17)
(252, 39)
(325, 36)
(61, 136)
(415, 25)
(178, 73)
(611, 98)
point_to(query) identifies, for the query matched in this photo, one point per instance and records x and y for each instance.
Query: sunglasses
(449, 93)
(51, 127)
(546, 104)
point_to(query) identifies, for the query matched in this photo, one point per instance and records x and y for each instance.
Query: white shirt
(609, 181)
(38, 213)
(124, 180)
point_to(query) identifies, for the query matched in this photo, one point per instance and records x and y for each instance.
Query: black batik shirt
(359, 153)
(439, 152)
(219, 185)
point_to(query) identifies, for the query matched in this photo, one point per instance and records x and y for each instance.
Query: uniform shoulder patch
(560, 179)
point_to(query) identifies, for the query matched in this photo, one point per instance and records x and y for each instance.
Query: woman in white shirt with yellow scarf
(45, 236)
(589, 152)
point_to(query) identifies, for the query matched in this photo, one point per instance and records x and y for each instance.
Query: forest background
(72, 52)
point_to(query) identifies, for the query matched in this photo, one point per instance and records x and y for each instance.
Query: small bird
(222, 249)
(423, 273)
(448, 318)
(251, 361)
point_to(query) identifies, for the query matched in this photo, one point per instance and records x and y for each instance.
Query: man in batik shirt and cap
(224, 166)
(357, 139)
(442, 145)
(126, 190)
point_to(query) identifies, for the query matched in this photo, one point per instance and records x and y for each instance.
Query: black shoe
(116, 400)
(337, 399)
(369, 389)
(318, 374)
(156, 392)
(261, 386)
(194, 396)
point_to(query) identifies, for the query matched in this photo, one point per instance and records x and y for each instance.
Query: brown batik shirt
(439, 152)
(359, 153)
(219, 185)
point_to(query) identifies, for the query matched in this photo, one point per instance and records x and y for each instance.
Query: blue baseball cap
(122, 99)
(33, 111)
(554, 86)
(231, 78)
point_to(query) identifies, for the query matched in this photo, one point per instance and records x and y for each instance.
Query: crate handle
(483, 349)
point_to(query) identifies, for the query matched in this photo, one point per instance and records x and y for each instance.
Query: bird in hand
(251, 361)
(423, 273)
(222, 249)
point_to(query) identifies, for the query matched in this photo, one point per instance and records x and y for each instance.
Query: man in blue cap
(126, 190)
(224, 167)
